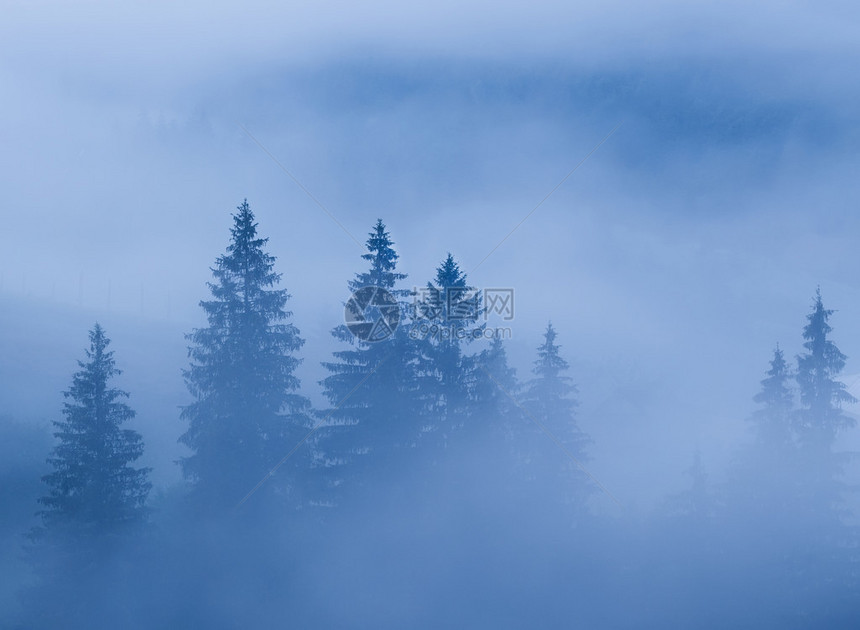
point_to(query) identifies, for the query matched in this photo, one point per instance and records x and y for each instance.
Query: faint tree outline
(308, 435)
(553, 438)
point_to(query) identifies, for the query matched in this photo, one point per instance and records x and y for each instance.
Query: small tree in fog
(763, 481)
(772, 422)
(247, 413)
(695, 505)
(493, 387)
(550, 399)
(492, 418)
(94, 489)
(372, 385)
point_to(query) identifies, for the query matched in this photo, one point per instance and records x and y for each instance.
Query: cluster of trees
(254, 438)
(795, 430)
(790, 476)
(782, 515)
(410, 414)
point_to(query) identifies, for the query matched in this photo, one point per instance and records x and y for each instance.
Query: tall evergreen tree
(372, 385)
(821, 394)
(819, 420)
(550, 399)
(447, 317)
(247, 412)
(94, 489)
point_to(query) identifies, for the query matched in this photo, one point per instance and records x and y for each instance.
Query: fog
(668, 184)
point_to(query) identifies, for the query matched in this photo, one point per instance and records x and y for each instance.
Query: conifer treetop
(774, 388)
(549, 363)
(821, 394)
(383, 261)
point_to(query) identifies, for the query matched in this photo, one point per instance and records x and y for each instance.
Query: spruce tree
(550, 400)
(248, 412)
(447, 318)
(372, 386)
(762, 483)
(94, 490)
(772, 422)
(695, 504)
(821, 394)
(493, 385)
(493, 418)
(819, 420)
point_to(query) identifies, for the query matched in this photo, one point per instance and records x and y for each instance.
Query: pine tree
(447, 315)
(821, 395)
(94, 489)
(772, 423)
(372, 386)
(819, 420)
(491, 410)
(492, 420)
(248, 413)
(695, 504)
(550, 399)
(762, 483)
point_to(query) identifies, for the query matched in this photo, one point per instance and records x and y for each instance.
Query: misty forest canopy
(416, 422)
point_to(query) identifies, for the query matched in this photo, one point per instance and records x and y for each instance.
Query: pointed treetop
(775, 393)
(98, 354)
(98, 340)
(550, 334)
(815, 332)
(817, 318)
(549, 361)
(778, 366)
(450, 299)
(383, 261)
(244, 216)
(244, 230)
(821, 394)
(448, 274)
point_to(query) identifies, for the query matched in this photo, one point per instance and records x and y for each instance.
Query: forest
(439, 486)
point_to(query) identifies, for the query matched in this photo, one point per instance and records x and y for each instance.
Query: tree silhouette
(248, 413)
